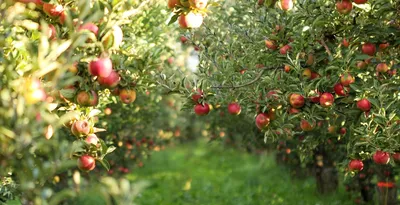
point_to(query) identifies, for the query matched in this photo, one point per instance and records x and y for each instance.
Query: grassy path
(211, 175)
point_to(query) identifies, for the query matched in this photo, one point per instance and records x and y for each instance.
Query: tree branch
(326, 48)
(248, 83)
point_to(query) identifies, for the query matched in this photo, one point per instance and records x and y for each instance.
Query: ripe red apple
(344, 6)
(296, 100)
(80, 128)
(201, 110)
(191, 20)
(101, 67)
(368, 48)
(316, 99)
(383, 46)
(173, 3)
(314, 75)
(92, 139)
(63, 17)
(361, 64)
(286, 68)
(286, 5)
(356, 165)
(326, 100)
(198, 4)
(396, 157)
(382, 68)
(262, 121)
(306, 126)
(234, 108)
(90, 98)
(111, 81)
(271, 44)
(345, 43)
(346, 79)
(52, 10)
(364, 105)
(284, 49)
(293, 110)
(90, 27)
(197, 96)
(381, 157)
(183, 39)
(127, 96)
(343, 131)
(341, 90)
(360, 1)
(86, 163)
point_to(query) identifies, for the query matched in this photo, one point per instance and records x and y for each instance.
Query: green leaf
(105, 164)
(173, 19)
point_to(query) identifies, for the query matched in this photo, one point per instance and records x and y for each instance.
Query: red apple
(343, 131)
(198, 4)
(345, 43)
(396, 157)
(234, 108)
(271, 44)
(382, 68)
(191, 20)
(381, 157)
(86, 163)
(361, 64)
(293, 110)
(111, 81)
(80, 128)
(296, 100)
(286, 68)
(344, 6)
(364, 105)
(284, 49)
(341, 90)
(63, 17)
(183, 39)
(368, 48)
(90, 98)
(262, 121)
(306, 126)
(173, 3)
(101, 67)
(356, 165)
(90, 27)
(346, 79)
(326, 100)
(127, 96)
(286, 5)
(197, 96)
(383, 46)
(52, 10)
(92, 139)
(360, 1)
(314, 75)
(201, 110)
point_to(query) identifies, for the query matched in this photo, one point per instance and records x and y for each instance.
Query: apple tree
(324, 71)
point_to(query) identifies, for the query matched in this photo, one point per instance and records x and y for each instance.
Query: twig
(326, 48)
(248, 83)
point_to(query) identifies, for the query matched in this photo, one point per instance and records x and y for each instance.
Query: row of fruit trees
(85, 83)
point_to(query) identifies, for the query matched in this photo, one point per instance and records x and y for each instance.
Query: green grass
(221, 176)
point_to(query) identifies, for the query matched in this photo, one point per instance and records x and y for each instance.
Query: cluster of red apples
(202, 109)
(379, 157)
(191, 12)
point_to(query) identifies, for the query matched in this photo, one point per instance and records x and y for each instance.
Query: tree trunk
(325, 172)
(386, 187)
